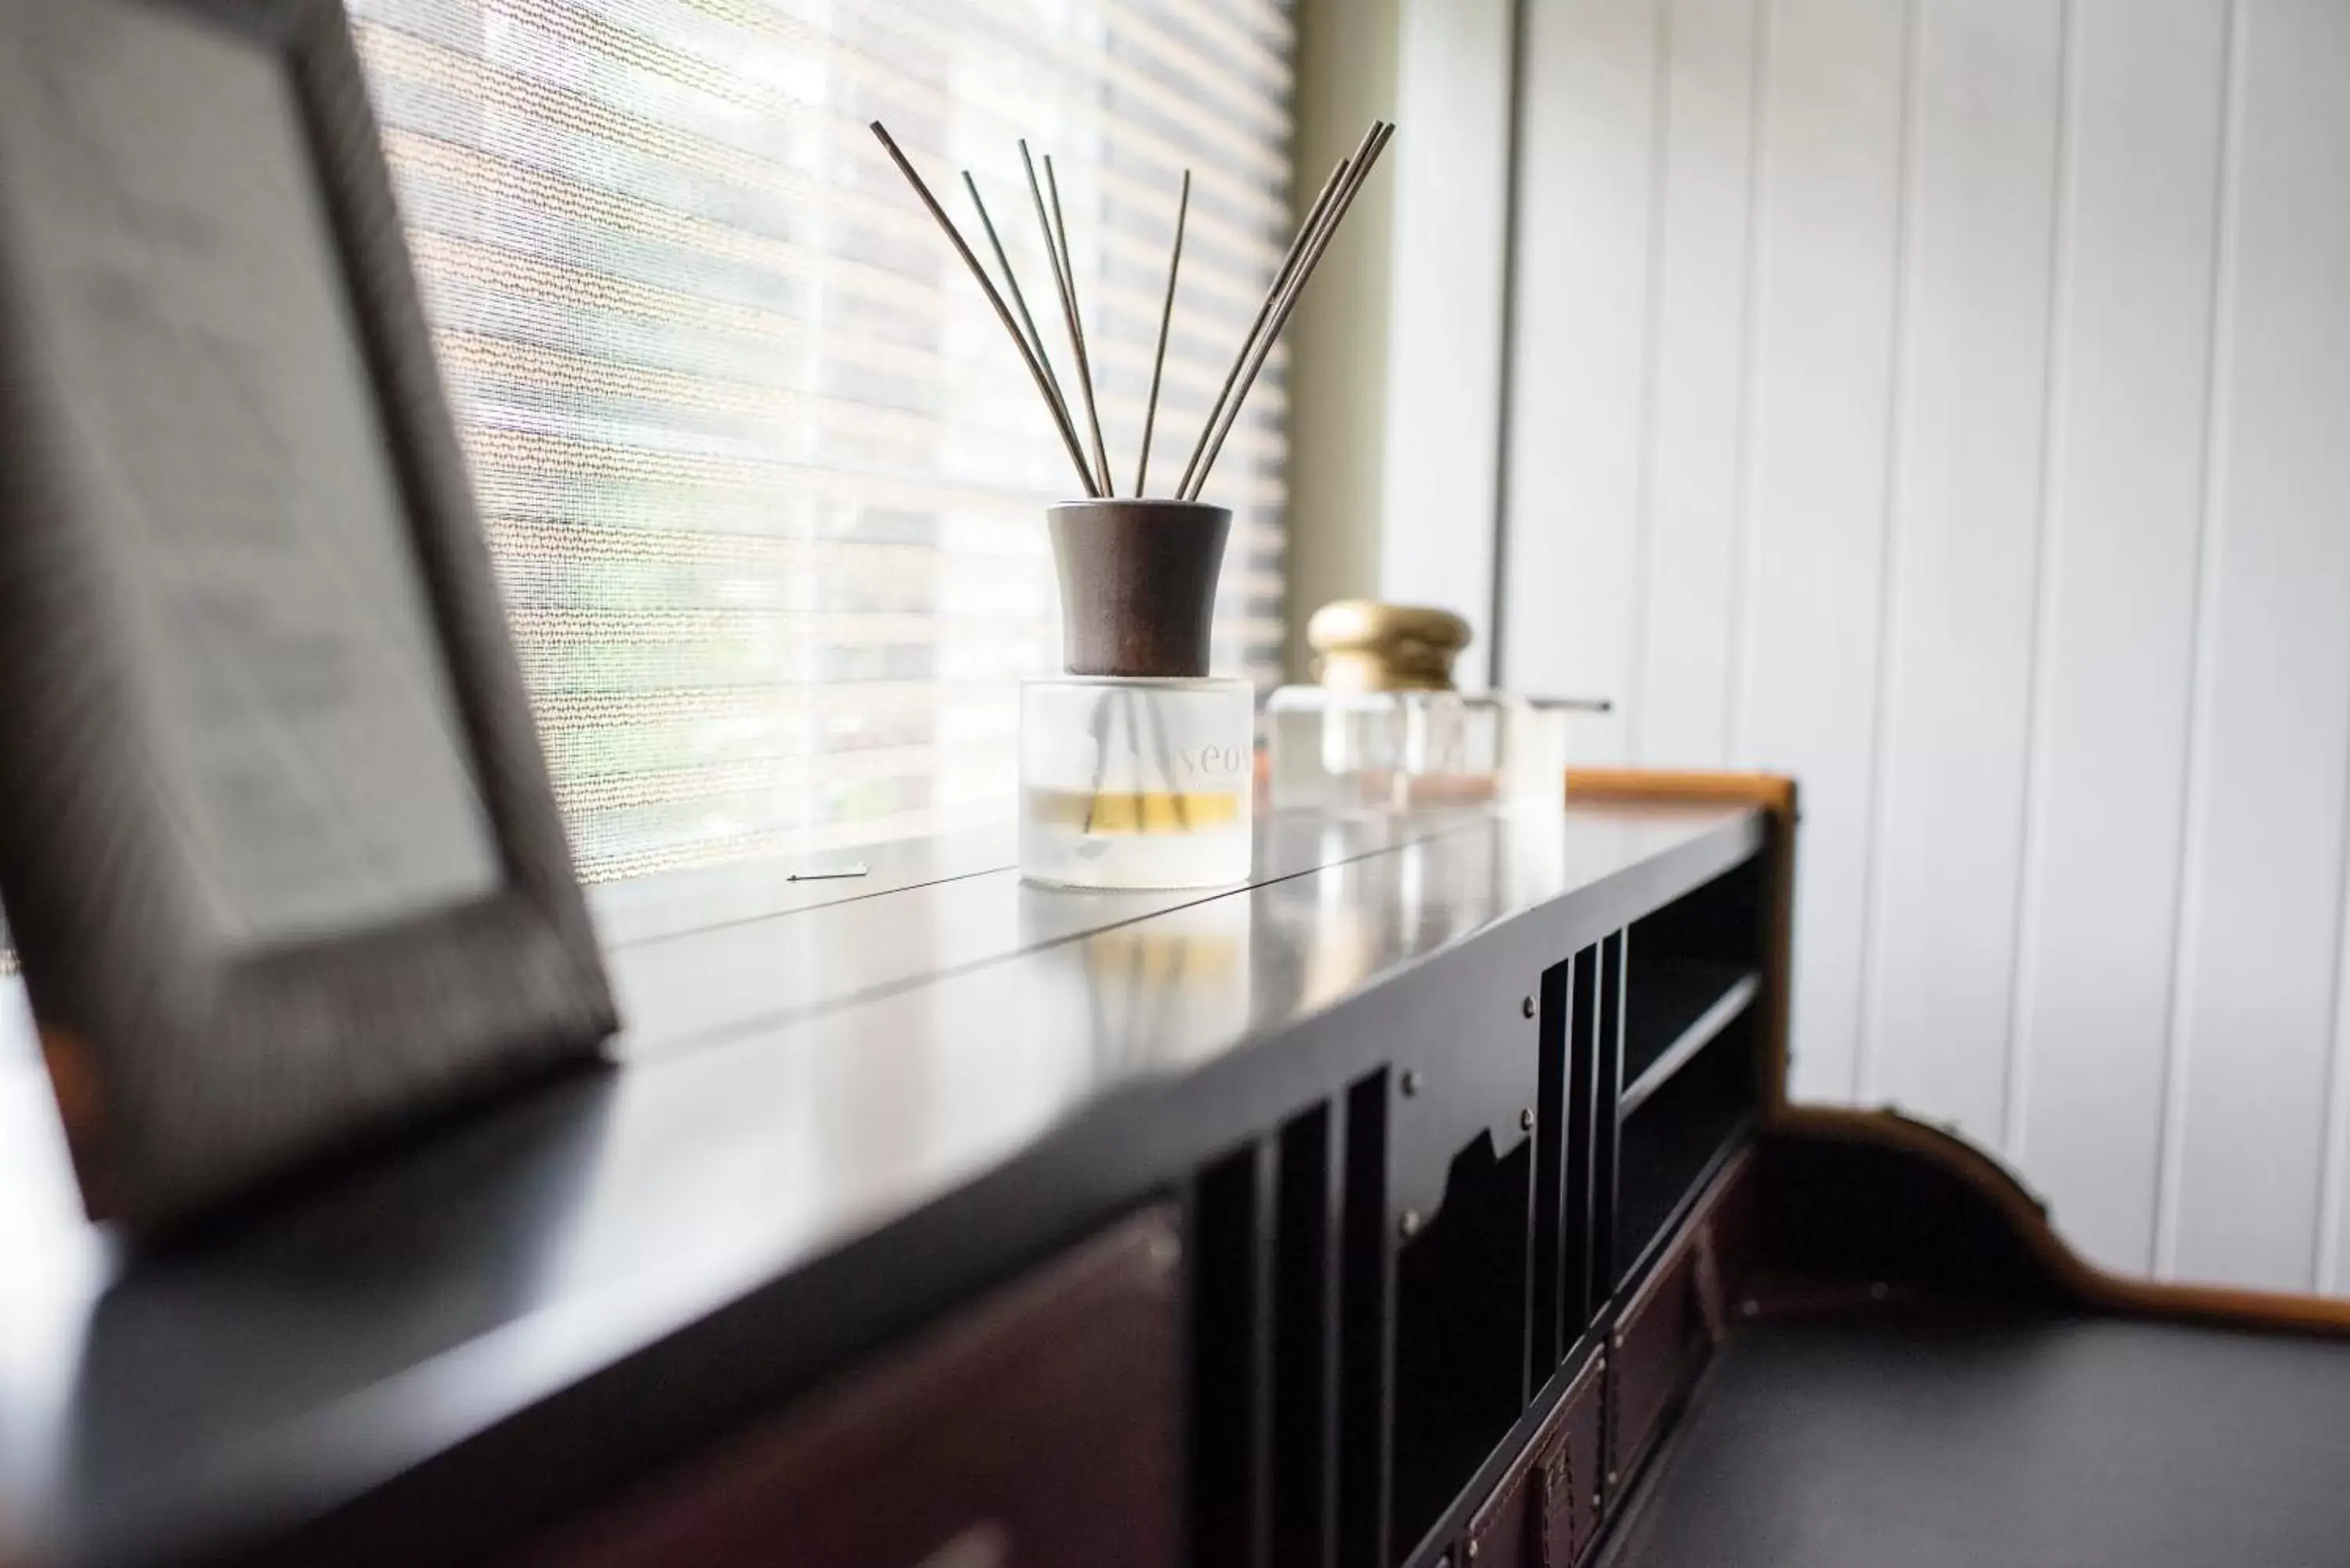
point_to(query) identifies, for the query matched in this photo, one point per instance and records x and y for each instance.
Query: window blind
(762, 476)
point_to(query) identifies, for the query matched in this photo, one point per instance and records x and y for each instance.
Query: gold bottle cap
(1362, 645)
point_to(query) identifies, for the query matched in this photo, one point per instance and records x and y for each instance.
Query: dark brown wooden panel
(1677, 1318)
(1657, 1349)
(1036, 1430)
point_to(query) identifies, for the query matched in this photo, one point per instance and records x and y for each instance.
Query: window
(763, 478)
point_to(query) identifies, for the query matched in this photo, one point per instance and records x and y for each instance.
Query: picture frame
(279, 848)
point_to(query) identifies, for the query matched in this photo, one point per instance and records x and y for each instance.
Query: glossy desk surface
(838, 1105)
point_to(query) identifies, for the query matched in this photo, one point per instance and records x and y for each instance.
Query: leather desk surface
(2006, 1443)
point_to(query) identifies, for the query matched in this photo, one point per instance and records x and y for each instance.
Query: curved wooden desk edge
(2086, 1282)
(2091, 1286)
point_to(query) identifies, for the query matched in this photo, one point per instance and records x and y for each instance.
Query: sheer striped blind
(762, 475)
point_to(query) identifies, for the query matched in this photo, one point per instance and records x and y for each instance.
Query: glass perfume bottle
(1384, 728)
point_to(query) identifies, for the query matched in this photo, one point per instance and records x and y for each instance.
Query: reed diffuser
(1136, 767)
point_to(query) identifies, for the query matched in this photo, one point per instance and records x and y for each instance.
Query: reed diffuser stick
(1165, 315)
(1002, 312)
(1298, 263)
(1019, 300)
(1272, 294)
(1318, 220)
(1062, 286)
(1332, 217)
(1078, 328)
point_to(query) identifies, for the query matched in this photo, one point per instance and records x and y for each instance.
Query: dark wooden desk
(1431, 1202)
(842, 1111)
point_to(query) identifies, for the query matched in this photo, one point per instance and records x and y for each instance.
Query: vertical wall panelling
(1741, 479)
(2133, 351)
(1815, 511)
(1948, 402)
(1676, 702)
(1445, 309)
(1966, 517)
(2330, 499)
(2258, 1030)
(1584, 185)
(2334, 1208)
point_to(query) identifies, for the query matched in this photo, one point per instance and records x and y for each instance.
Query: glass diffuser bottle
(1137, 768)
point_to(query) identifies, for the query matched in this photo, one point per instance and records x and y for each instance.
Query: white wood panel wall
(1449, 252)
(2130, 384)
(1582, 266)
(1948, 401)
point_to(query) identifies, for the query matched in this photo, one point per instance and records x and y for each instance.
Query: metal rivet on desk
(1527, 1007)
(1750, 1307)
(1611, 1478)
(1410, 1223)
(1472, 1552)
(1596, 1500)
(1410, 1083)
(1880, 1290)
(1526, 1119)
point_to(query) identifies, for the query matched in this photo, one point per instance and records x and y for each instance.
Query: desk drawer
(1545, 1512)
(1035, 1429)
(1664, 1337)
(1657, 1349)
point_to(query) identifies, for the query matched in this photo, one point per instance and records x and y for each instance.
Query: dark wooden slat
(1366, 1333)
(1550, 1312)
(1230, 1363)
(1306, 1345)
(1580, 1261)
(1607, 1069)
